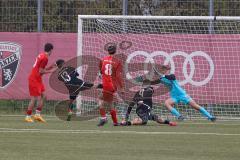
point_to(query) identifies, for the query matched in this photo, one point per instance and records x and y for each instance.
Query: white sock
(38, 112)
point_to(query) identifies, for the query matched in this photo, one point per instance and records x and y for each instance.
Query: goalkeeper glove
(139, 79)
(157, 72)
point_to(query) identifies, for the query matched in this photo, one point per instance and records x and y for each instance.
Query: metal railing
(61, 15)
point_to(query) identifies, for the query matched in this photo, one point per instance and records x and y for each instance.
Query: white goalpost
(203, 52)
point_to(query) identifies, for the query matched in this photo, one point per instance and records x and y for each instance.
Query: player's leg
(143, 113)
(86, 86)
(202, 110)
(160, 120)
(137, 121)
(72, 98)
(30, 108)
(40, 103)
(38, 116)
(169, 104)
(107, 100)
(34, 91)
(102, 111)
(113, 111)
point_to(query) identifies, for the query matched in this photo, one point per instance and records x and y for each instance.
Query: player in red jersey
(35, 84)
(111, 71)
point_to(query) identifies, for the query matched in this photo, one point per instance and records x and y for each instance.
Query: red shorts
(36, 88)
(107, 96)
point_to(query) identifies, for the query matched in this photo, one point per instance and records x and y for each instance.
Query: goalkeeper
(143, 99)
(177, 93)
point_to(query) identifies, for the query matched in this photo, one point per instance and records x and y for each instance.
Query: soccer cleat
(102, 122)
(213, 119)
(116, 124)
(39, 118)
(172, 124)
(28, 119)
(69, 116)
(126, 123)
(181, 118)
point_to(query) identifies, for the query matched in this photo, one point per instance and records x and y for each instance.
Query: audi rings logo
(169, 60)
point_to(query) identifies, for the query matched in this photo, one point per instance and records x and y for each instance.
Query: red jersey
(111, 70)
(41, 62)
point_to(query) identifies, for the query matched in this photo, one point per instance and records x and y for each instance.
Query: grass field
(60, 140)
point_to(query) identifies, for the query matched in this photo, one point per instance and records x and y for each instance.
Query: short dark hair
(59, 63)
(146, 82)
(165, 67)
(112, 49)
(48, 47)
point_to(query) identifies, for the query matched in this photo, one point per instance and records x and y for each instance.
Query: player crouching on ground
(143, 99)
(69, 76)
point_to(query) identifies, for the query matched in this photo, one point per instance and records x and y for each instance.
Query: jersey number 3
(108, 69)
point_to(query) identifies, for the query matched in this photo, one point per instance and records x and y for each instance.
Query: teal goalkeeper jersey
(174, 87)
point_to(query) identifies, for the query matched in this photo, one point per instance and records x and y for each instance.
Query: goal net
(203, 53)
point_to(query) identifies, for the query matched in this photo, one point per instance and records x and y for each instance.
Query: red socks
(113, 113)
(29, 112)
(39, 108)
(102, 112)
(114, 116)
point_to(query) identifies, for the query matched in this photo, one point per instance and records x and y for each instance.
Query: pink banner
(206, 65)
(32, 44)
(211, 74)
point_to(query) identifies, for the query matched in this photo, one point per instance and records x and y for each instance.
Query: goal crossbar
(160, 17)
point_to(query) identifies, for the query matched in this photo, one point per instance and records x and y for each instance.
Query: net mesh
(203, 55)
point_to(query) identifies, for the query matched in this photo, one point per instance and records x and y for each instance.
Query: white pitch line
(13, 130)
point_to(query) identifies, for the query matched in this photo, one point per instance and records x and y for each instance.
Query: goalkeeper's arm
(129, 109)
(169, 76)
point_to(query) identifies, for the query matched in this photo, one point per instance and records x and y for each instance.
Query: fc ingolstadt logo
(10, 55)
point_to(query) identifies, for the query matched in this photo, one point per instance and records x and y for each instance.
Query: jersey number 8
(108, 69)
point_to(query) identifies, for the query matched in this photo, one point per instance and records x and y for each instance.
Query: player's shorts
(107, 96)
(36, 87)
(185, 99)
(145, 114)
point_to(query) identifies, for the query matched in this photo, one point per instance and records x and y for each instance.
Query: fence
(61, 15)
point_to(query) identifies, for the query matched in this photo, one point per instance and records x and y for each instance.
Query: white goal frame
(121, 17)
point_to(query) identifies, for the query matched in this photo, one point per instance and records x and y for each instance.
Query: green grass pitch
(60, 140)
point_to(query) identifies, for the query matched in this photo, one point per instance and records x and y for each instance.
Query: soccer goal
(203, 52)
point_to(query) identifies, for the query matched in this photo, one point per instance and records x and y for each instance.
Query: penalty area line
(54, 131)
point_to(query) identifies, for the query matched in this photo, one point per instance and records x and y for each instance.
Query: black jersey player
(69, 76)
(143, 100)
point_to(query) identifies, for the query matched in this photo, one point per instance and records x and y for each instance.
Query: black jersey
(68, 75)
(143, 100)
(144, 95)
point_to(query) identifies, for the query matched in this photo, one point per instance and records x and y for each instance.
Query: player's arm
(164, 78)
(53, 66)
(157, 81)
(100, 67)
(42, 67)
(170, 77)
(129, 109)
(72, 72)
(44, 71)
